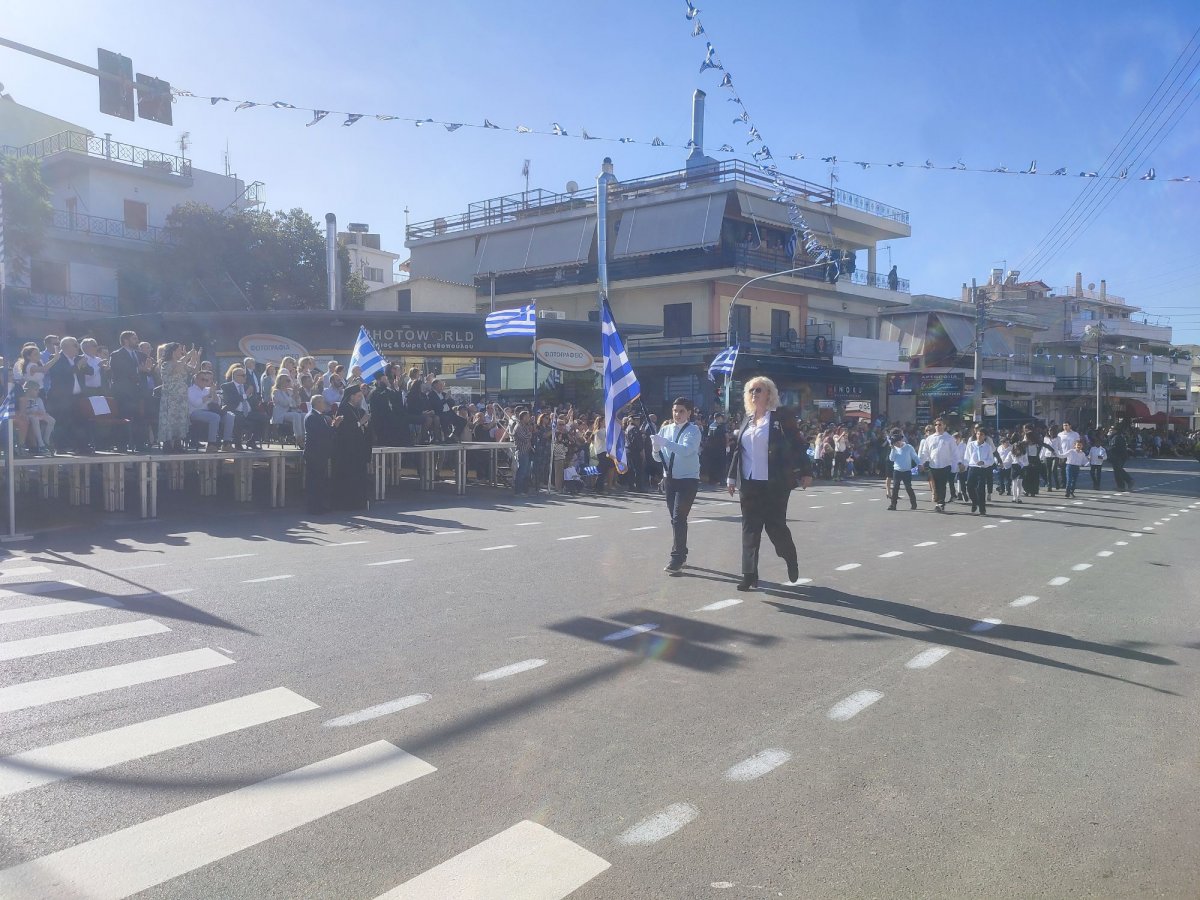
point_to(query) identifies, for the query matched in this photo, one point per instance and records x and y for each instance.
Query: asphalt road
(510, 699)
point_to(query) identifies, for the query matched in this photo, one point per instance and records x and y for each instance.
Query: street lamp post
(733, 305)
(1097, 329)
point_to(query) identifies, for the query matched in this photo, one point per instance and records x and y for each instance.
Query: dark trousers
(681, 493)
(316, 485)
(941, 479)
(977, 484)
(764, 506)
(1006, 480)
(1120, 476)
(902, 477)
(1096, 470)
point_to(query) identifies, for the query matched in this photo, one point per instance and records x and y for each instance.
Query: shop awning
(544, 246)
(680, 225)
(961, 332)
(1136, 409)
(772, 213)
(452, 261)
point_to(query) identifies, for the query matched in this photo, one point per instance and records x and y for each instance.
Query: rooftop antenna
(184, 143)
(226, 157)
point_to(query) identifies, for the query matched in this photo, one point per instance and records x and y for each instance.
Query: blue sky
(993, 84)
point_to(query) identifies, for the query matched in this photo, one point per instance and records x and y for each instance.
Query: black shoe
(912, 505)
(892, 507)
(748, 583)
(793, 568)
(673, 567)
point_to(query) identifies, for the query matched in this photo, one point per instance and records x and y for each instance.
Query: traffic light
(154, 99)
(116, 84)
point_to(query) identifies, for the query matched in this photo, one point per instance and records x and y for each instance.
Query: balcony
(53, 305)
(815, 345)
(1087, 384)
(1018, 366)
(722, 256)
(1120, 328)
(76, 143)
(513, 207)
(97, 226)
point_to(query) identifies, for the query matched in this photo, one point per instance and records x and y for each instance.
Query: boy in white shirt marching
(1096, 457)
(1075, 460)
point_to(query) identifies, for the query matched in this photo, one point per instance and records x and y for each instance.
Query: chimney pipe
(1103, 290)
(1078, 284)
(697, 126)
(331, 259)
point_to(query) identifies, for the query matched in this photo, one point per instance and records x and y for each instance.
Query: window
(677, 320)
(136, 215)
(741, 323)
(1021, 347)
(46, 277)
(404, 300)
(781, 322)
(370, 273)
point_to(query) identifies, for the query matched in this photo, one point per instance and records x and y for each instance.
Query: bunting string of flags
(761, 154)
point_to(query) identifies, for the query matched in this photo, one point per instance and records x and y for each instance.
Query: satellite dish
(572, 187)
(439, 226)
(1091, 285)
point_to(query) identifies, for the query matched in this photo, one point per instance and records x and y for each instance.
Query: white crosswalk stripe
(72, 640)
(62, 608)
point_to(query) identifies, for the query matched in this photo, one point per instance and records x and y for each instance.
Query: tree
(27, 211)
(241, 260)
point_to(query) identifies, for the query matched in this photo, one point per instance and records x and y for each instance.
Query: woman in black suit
(769, 454)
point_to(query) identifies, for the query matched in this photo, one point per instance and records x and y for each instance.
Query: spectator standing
(285, 409)
(176, 366)
(128, 367)
(522, 436)
(319, 433)
(352, 443)
(51, 344)
(65, 377)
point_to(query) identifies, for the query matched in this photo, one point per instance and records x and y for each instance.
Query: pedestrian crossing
(526, 861)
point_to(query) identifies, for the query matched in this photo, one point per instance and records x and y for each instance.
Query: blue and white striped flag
(366, 357)
(509, 322)
(8, 408)
(723, 364)
(621, 386)
(471, 371)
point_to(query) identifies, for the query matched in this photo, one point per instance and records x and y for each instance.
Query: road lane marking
(144, 855)
(514, 669)
(847, 503)
(347, 544)
(72, 640)
(891, 554)
(1120, 543)
(847, 567)
(816, 507)
(1081, 567)
(989, 526)
(1135, 534)
(57, 762)
(389, 562)
(1024, 600)
(700, 521)
(587, 517)
(498, 547)
(64, 608)
(630, 632)
(927, 658)
(720, 604)
(528, 861)
(575, 537)
(1147, 528)
(958, 534)
(927, 543)
(524, 524)
(451, 531)
(1005, 521)
(231, 556)
(136, 568)
(985, 624)
(853, 705)
(642, 512)
(41, 587)
(1104, 553)
(96, 681)
(268, 578)
(663, 824)
(27, 570)
(644, 528)
(1058, 581)
(380, 709)
(757, 765)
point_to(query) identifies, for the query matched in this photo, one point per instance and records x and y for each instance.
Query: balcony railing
(509, 208)
(1084, 384)
(813, 346)
(722, 256)
(77, 142)
(48, 305)
(78, 223)
(1018, 366)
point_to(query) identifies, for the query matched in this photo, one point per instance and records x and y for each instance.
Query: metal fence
(104, 148)
(98, 225)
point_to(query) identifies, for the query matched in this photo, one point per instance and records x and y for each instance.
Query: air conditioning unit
(551, 314)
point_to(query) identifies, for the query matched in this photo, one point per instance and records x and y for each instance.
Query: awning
(773, 213)
(994, 345)
(907, 331)
(680, 225)
(1136, 409)
(542, 246)
(960, 330)
(452, 261)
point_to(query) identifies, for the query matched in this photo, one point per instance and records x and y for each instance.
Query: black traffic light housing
(116, 84)
(154, 99)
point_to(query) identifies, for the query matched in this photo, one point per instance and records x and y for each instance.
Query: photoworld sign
(566, 356)
(423, 340)
(271, 347)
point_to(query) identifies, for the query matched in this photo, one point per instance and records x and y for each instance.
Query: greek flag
(366, 357)
(8, 408)
(723, 364)
(620, 386)
(471, 371)
(510, 322)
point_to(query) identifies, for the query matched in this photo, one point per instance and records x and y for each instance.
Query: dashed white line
(700, 521)
(985, 624)
(642, 512)
(720, 604)
(346, 544)
(990, 526)
(374, 712)
(132, 568)
(630, 632)
(661, 825)
(1147, 528)
(816, 507)
(891, 553)
(957, 534)
(231, 556)
(27, 570)
(927, 658)
(1104, 553)
(926, 544)
(1120, 543)
(451, 531)
(1026, 515)
(524, 524)
(575, 537)
(1081, 567)
(847, 503)
(757, 765)
(853, 705)
(1006, 521)
(1024, 601)
(268, 578)
(847, 567)
(514, 669)
(587, 517)
(644, 528)
(1058, 581)
(497, 547)
(389, 562)
(1135, 534)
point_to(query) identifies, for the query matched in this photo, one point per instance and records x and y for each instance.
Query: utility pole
(980, 323)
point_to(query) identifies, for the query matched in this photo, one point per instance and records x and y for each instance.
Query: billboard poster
(902, 383)
(950, 384)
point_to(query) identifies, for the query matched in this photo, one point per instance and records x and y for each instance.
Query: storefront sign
(858, 406)
(845, 390)
(270, 347)
(565, 356)
(949, 385)
(423, 340)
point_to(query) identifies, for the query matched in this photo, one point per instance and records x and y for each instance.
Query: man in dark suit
(318, 450)
(769, 456)
(128, 368)
(248, 421)
(66, 377)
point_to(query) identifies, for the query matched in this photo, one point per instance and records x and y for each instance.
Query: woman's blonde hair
(761, 381)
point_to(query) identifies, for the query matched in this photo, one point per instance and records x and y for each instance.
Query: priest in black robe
(319, 433)
(353, 439)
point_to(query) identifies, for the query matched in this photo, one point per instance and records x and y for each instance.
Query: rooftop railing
(78, 223)
(510, 208)
(97, 147)
(52, 304)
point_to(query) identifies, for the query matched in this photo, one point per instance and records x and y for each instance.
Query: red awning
(1136, 409)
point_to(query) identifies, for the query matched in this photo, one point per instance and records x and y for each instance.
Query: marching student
(959, 484)
(1004, 452)
(1074, 460)
(940, 457)
(1096, 457)
(904, 461)
(979, 458)
(677, 447)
